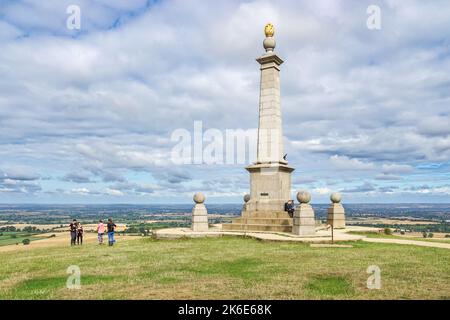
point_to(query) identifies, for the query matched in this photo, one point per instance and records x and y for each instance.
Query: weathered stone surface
(304, 221)
(199, 214)
(270, 187)
(336, 216)
(303, 196)
(199, 197)
(335, 197)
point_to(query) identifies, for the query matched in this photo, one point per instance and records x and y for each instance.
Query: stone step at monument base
(266, 214)
(268, 221)
(265, 221)
(256, 227)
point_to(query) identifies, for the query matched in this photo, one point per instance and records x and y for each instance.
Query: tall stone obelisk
(270, 175)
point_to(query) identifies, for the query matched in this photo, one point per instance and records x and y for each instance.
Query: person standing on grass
(73, 232)
(111, 226)
(79, 234)
(100, 231)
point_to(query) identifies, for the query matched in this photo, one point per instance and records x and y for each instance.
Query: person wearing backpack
(111, 227)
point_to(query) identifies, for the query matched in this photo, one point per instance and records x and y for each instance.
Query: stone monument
(199, 213)
(304, 221)
(270, 174)
(336, 212)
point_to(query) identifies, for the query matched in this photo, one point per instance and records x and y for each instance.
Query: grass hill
(225, 268)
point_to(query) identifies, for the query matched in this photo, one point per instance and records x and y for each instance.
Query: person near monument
(80, 233)
(111, 227)
(290, 208)
(100, 231)
(73, 232)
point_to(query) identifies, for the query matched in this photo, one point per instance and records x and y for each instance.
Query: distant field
(390, 221)
(24, 225)
(7, 238)
(225, 268)
(57, 226)
(416, 236)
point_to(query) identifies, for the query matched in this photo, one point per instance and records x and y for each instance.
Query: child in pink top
(100, 231)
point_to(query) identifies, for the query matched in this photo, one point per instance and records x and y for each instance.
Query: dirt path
(61, 239)
(411, 242)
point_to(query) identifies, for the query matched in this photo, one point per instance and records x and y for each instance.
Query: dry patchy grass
(226, 268)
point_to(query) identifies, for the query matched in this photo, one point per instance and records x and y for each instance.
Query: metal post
(332, 234)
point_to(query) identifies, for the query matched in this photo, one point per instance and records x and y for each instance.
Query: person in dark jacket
(73, 232)
(290, 208)
(111, 227)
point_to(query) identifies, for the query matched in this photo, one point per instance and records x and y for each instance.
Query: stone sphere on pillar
(246, 198)
(335, 197)
(269, 44)
(303, 196)
(199, 197)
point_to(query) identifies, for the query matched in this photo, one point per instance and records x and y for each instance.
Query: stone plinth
(336, 212)
(336, 216)
(304, 220)
(199, 214)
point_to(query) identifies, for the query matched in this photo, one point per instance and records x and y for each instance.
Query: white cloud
(100, 105)
(346, 163)
(80, 191)
(396, 169)
(114, 192)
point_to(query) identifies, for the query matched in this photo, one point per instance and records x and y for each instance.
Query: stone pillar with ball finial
(336, 212)
(199, 213)
(304, 221)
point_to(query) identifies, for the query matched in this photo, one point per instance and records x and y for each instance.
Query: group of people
(76, 232)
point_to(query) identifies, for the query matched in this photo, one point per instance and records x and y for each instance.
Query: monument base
(270, 185)
(261, 221)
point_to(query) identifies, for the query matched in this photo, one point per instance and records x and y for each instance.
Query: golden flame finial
(269, 30)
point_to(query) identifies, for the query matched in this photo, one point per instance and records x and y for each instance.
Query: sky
(88, 115)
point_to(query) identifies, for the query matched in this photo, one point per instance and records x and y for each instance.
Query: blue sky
(86, 116)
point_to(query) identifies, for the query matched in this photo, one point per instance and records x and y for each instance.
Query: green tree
(430, 235)
(424, 234)
(26, 242)
(388, 231)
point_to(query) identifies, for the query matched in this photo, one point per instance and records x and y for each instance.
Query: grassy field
(228, 268)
